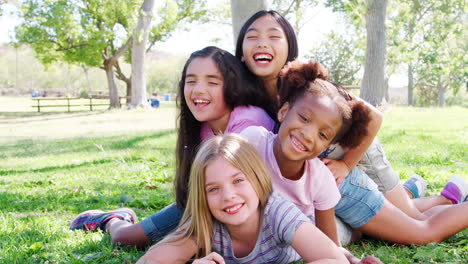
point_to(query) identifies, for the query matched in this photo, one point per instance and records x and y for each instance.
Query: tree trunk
(88, 81)
(373, 81)
(441, 88)
(241, 10)
(138, 80)
(410, 84)
(113, 92)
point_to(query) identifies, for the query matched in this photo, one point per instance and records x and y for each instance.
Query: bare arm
(341, 168)
(176, 252)
(325, 221)
(315, 247)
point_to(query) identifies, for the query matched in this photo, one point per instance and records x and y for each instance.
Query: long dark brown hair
(238, 91)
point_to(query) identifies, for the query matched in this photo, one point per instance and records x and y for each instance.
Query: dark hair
(293, 49)
(237, 90)
(297, 79)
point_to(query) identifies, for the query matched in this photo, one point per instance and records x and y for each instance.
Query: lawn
(54, 165)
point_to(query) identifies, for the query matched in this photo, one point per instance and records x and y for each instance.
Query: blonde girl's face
(204, 92)
(265, 47)
(231, 198)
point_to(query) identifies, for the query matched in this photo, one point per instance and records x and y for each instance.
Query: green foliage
(77, 32)
(342, 57)
(427, 34)
(295, 11)
(164, 74)
(46, 182)
(175, 13)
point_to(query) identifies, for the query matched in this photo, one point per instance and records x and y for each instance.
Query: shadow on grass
(16, 117)
(37, 148)
(99, 195)
(55, 168)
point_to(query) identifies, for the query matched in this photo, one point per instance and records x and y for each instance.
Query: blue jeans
(160, 224)
(360, 199)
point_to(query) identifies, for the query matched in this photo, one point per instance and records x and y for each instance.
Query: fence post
(38, 105)
(91, 103)
(68, 104)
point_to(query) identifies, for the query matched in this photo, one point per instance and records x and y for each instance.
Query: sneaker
(456, 190)
(92, 220)
(416, 185)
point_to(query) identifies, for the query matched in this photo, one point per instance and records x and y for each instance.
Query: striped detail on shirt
(280, 220)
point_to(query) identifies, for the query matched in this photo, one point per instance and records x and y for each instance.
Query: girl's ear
(242, 58)
(283, 112)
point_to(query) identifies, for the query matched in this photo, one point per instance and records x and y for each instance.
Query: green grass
(106, 160)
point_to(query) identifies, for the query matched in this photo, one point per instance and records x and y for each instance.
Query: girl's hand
(212, 258)
(339, 169)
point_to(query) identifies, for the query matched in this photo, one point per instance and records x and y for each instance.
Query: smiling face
(307, 128)
(204, 93)
(231, 198)
(265, 47)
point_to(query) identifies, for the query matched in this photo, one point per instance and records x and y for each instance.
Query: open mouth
(298, 145)
(263, 57)
(233, 209)
(200, 102)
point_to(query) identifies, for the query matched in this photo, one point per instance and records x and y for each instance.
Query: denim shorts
(360, 199)
(160, 224)
(377, 167)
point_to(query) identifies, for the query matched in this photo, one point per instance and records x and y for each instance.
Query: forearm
(325, 221)
(354, 155)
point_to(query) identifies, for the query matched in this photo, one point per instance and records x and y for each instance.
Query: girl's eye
(213, 83)
(323, 135)
(213, 189)
(189, 81)
(239, 180)
(303, 118)
(251, 37)
(275, 37)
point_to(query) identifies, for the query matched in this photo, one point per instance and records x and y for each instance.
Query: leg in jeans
(362, 206)
(378, 168)
(148, 231)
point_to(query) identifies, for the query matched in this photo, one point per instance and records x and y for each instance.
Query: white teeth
(199, 101)
(298, 144)
(233, 208)
(263, 56)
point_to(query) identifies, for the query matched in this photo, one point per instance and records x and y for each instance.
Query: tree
(170, 15)
(241, 10)
(373, 81)
(424, 35)
(374, 11)
(341, 56)
(79, 32)
(295, 11)
(138, 55)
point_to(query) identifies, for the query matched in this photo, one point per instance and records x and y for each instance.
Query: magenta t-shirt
(316, 189)
(241, 117)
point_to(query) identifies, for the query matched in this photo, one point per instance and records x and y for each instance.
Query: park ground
(55, 164)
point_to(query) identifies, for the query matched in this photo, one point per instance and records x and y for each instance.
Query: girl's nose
(228, 193)
(198, 89)
(262, 45)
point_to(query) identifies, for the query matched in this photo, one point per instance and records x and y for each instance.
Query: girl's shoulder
(245, 116)
(249, 111)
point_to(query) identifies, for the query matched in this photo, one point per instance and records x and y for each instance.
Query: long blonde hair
(197, 221)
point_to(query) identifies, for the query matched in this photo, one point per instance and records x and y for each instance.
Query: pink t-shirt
(316, 189)
(241, 117)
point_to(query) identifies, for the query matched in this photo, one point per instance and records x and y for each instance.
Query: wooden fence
(69, 102)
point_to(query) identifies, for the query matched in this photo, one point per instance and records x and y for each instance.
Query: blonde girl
(233, 217)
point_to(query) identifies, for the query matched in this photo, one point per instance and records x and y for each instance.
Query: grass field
(54, 165)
